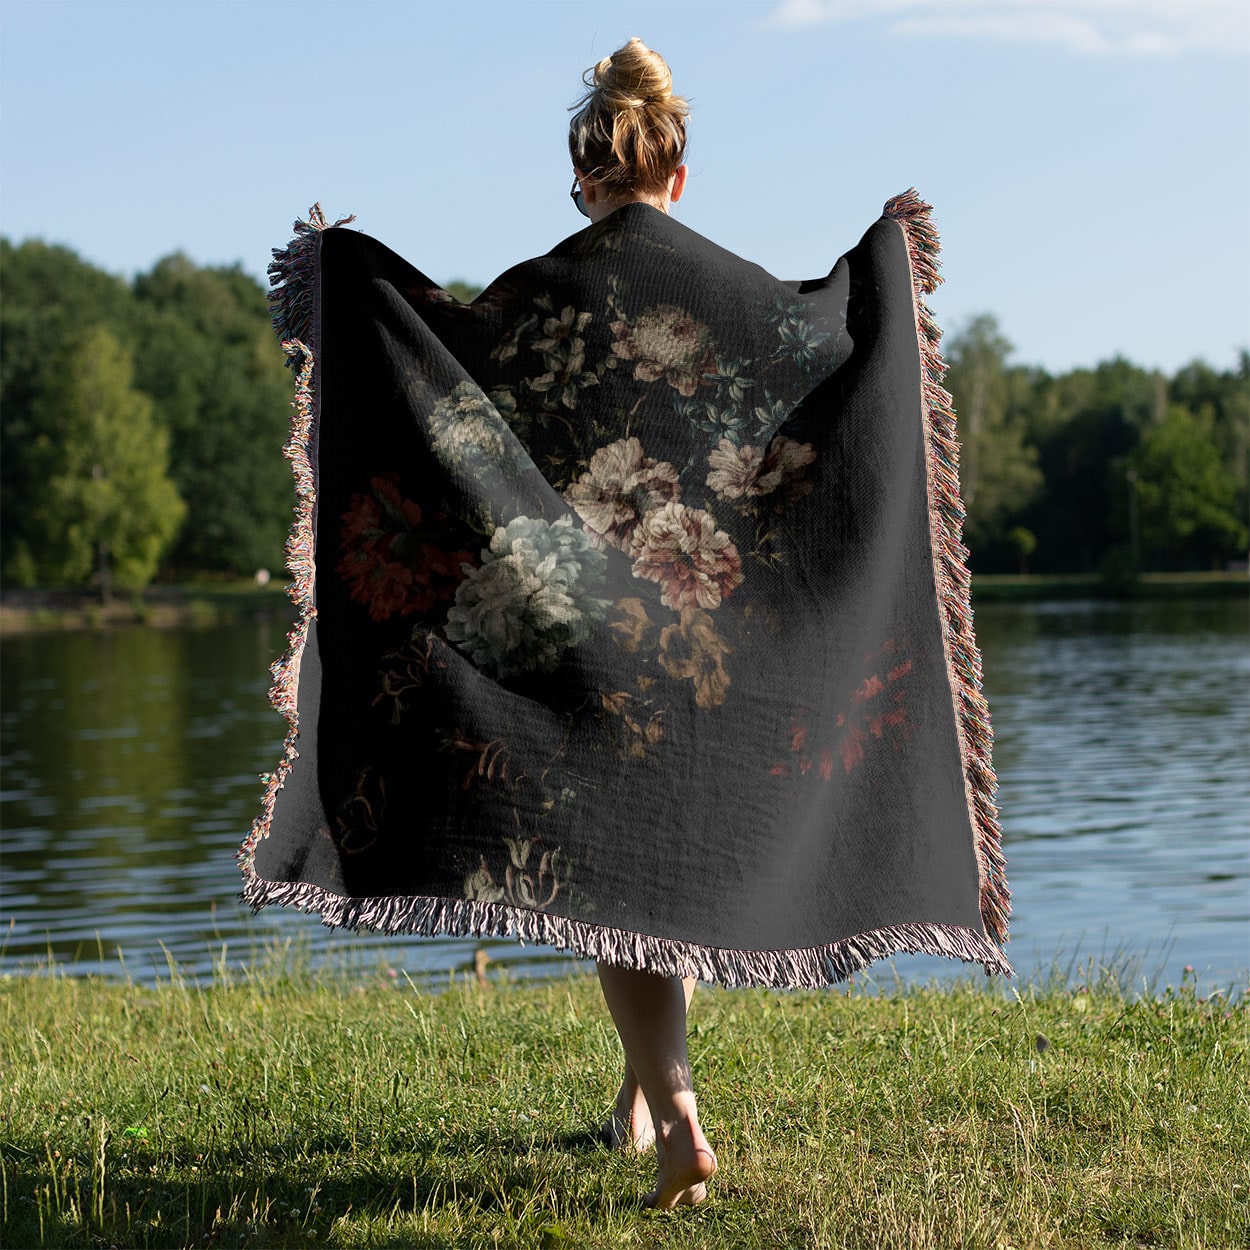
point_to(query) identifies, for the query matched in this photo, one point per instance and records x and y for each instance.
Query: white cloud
(1136, 28)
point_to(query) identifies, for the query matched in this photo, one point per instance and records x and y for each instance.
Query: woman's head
(629, 131)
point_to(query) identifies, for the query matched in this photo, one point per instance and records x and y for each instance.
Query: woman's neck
(602, 208)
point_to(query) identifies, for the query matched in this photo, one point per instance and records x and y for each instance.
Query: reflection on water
(131, 759)
(1122, 747)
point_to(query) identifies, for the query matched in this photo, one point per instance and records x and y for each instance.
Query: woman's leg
(629, 1125)
(649, 1012)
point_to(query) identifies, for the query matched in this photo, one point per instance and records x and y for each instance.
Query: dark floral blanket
(634, 616)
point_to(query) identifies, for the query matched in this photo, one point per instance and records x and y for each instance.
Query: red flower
(389, 565)
(386, 584)
(387, 492)
(876, 711)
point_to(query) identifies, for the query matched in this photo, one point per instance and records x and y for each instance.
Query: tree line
(141, 422)
(1114, 470)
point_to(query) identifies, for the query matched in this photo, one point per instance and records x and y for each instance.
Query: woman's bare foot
(649, 1011)
(629, 1126)
(686, 1165)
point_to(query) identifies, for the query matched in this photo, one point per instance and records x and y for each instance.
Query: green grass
(282, 1108)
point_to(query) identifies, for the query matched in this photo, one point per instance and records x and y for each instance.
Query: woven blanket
(634, 618)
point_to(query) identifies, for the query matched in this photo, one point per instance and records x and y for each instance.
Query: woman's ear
(678, 184)
(588, 186)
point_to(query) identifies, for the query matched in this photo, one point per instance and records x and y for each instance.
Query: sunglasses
(576, 196)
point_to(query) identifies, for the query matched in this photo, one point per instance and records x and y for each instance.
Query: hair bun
(629, 129)
(633, 77)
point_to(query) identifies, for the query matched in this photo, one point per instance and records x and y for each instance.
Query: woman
(634, 613)
(628, 141)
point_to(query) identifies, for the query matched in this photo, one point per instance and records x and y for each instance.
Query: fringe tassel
(812, 968)
(294, 298)
(300, 560)
(294, 304)
(950, 556)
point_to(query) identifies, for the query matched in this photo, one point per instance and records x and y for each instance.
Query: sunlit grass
(278, 1107)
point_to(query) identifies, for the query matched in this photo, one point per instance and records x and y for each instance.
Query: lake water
(130, 762)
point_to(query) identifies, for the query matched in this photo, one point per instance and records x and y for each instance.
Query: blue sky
(1087, 159)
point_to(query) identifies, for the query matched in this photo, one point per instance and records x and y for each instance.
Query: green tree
(208, 357)
(1187, 493)
(1221, 398)
(51, 296)
(1087, 423)
(465, 292)
(1024, 543)
(998, 467)
(104, 506)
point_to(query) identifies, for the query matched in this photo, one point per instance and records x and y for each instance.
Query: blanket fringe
(293, 299)
(300, 561)
(811, 968)
(293, 302)
(954, 584)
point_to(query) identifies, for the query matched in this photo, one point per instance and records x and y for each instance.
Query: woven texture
(634, 617)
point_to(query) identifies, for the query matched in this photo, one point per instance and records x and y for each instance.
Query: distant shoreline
(163, 606)
(1003, 587)
(218, 603)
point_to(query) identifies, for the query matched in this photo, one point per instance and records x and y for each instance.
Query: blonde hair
(629, 131)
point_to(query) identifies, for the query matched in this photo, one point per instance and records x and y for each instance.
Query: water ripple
(131, 764)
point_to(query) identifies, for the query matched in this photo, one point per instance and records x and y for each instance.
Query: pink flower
(666, 342)
(749, 472)
(620, 486)
(695, 564)
(735, 470)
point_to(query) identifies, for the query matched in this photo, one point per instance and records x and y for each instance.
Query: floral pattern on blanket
(465, 428)
(546, 350)
(392, 561)
(685, 540)
(666, 344)
(875, 711)
(619, 487)
(532, 597)
(551, 356)
(532, 876)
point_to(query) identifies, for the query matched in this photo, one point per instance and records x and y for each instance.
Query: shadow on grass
(292, 1193)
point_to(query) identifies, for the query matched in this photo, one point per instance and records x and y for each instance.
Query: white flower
(466, 426)
(532, 598)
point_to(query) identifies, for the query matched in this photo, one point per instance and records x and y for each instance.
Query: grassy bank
(282, 1110)
(191, 603)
